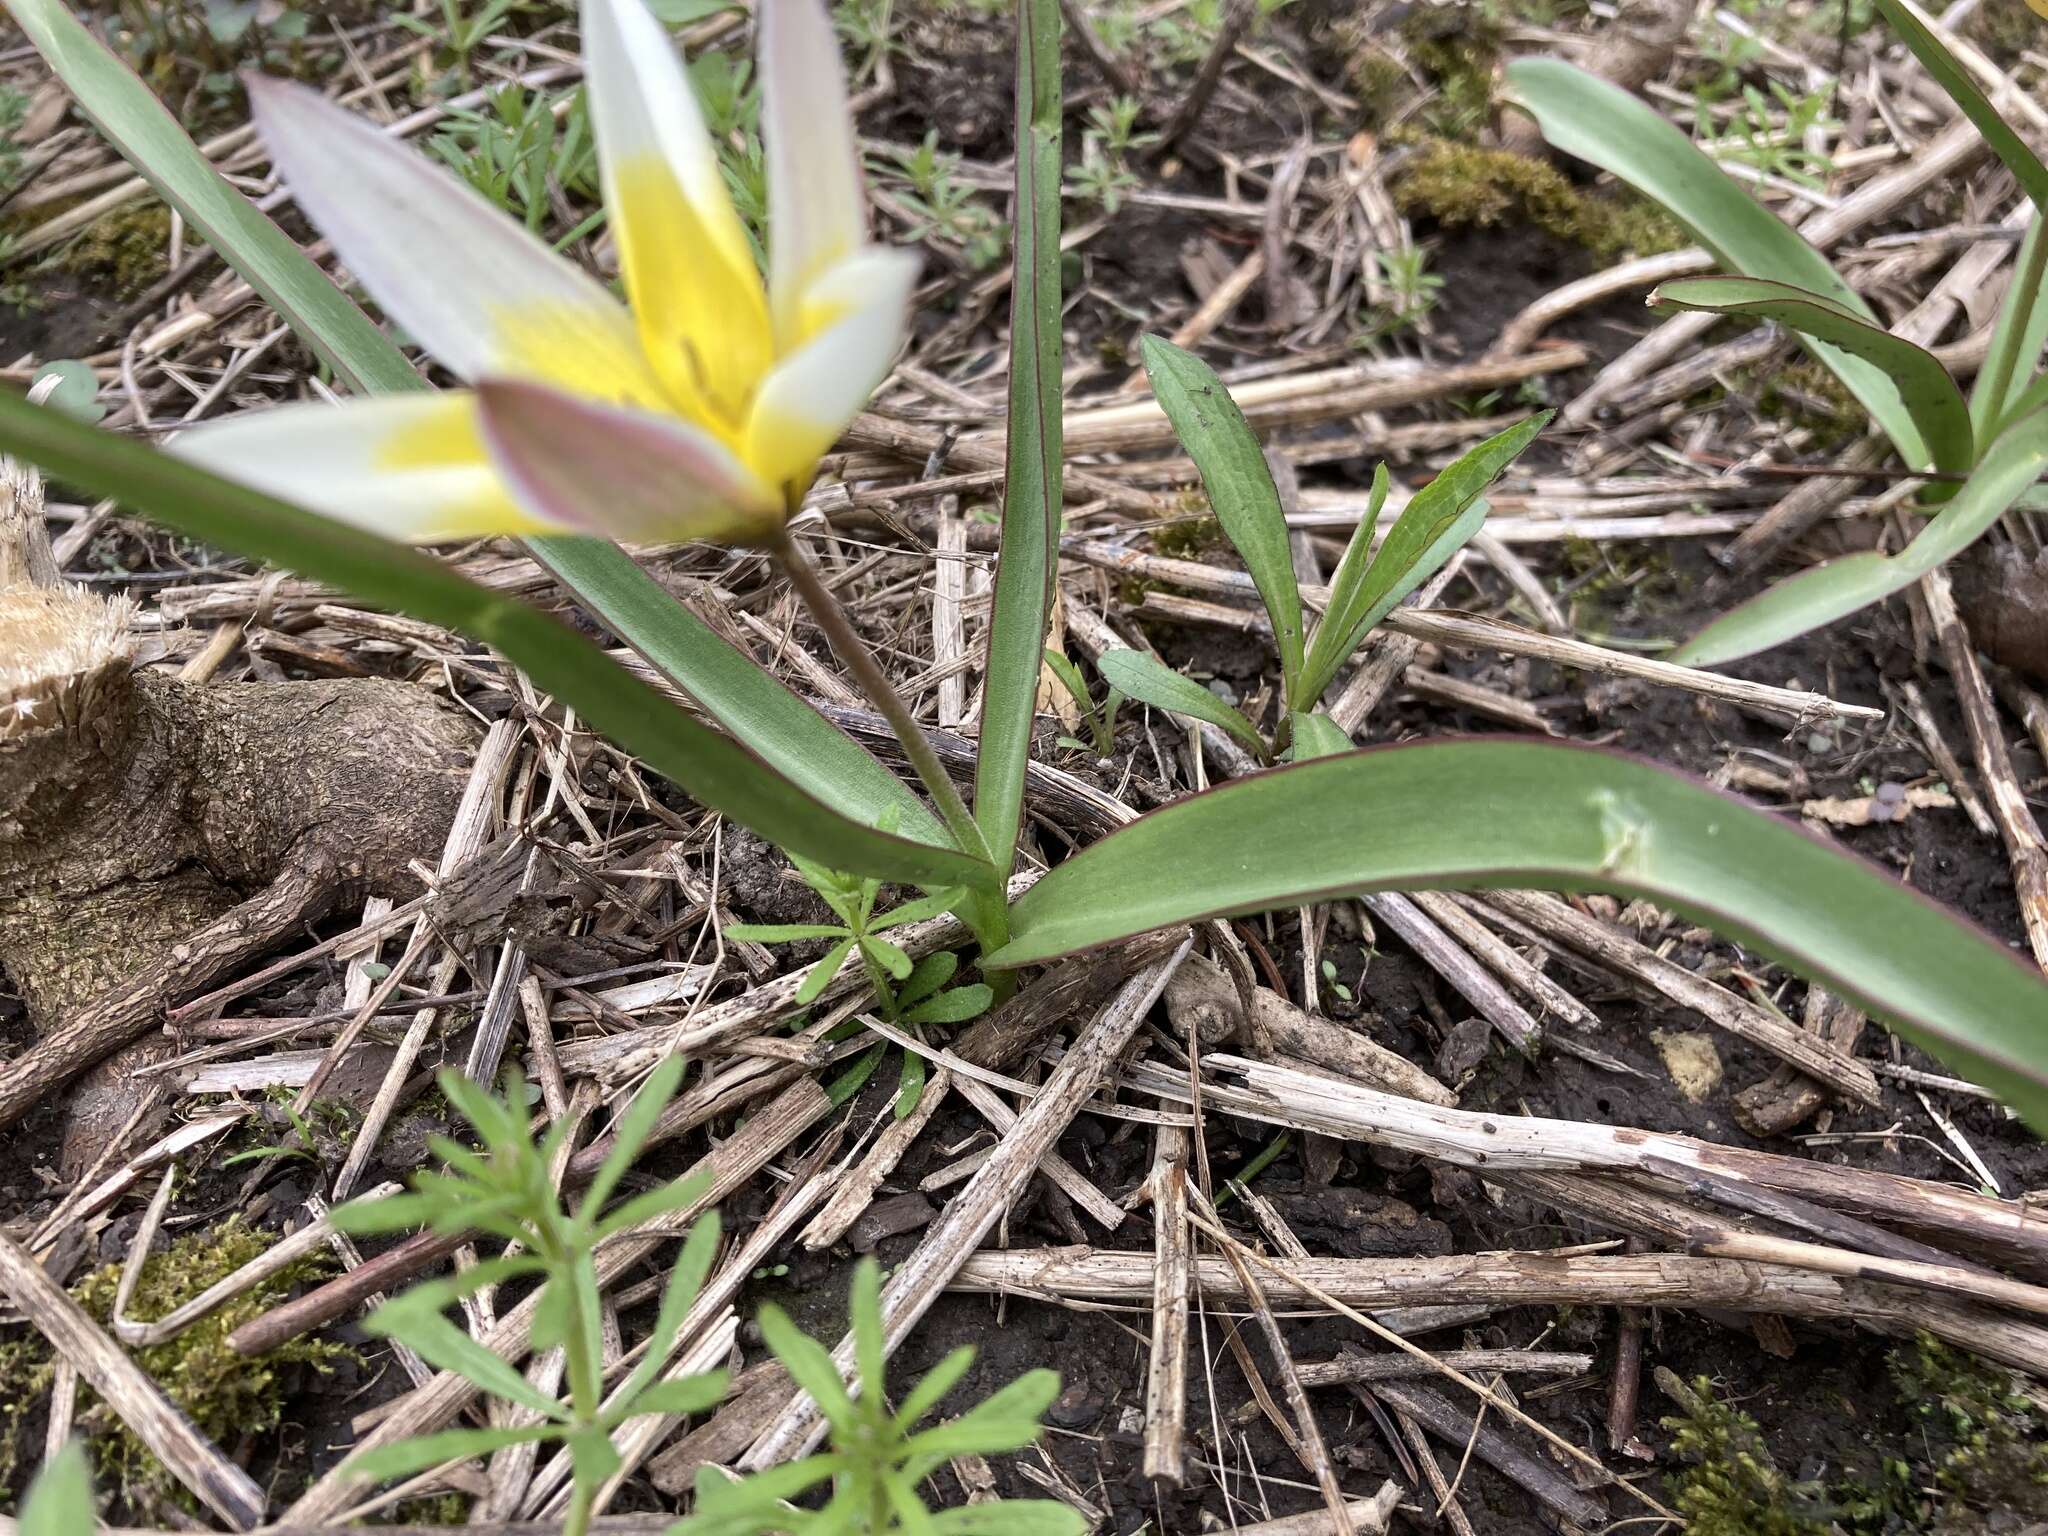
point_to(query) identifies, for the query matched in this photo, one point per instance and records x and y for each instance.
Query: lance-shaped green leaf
(2009, 468)
(1238, 482)
(1033, 482)
(1599, 122)
(1476, 814)
(711, 766)
(1434, 525)
(1151, 681)
(1924, 386)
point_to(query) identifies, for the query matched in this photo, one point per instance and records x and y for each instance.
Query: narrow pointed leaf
(675, 1195)
(1818, 596)
(782, 933)
(685, 1394)
(447, 1348)
(1603, 124)
(630, 1133)
(1924, 386)
(685, 1279)
(934, 1385)
(1028, 565)
(1483, 814)
(1948, 71)
(710, 766)
(955, 1005)
(910, 1078)
(59, 1501)
(870, 1349)
(749, 702)
(821, 974)
(1011, 1517)
(1151, 681)
(930, 974)
(1435, 524)
(809, 1366)
(423, 1451)
(1348, 580)
(1238, 482)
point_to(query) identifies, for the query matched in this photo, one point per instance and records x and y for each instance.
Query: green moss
(1464, 186)
(1189, 538)
(228, 1395)
(1732, 1487)
(122, 253)
(1458, 48)
(1984, 1437)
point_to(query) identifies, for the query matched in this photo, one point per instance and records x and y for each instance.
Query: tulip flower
(699, 409)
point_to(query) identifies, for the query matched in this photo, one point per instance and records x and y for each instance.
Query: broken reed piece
(1490, 1143)
(1500, 1280)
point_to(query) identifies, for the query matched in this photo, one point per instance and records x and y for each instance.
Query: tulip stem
(855, 656)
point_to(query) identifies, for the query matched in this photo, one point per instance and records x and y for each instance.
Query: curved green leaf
(1949, 73)
(1924, 386)
(1011, 1517)
(746, 699)
(1435, 525)
(1476, 814)
(59, 1501)
(1028, 566)
(1599, 122)
(423, 1451)
(1238, 482)
(1151, 681)
(710, 766)
(1840, 587)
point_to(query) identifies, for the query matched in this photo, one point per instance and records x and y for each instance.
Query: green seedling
(878, 1458)
(1098, 717)
(508, 1188)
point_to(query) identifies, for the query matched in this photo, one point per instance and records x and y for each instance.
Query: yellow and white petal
(409, 467)
(817, 207)
(468, 283)
(690, 273)
(856, 313)
(620, 473)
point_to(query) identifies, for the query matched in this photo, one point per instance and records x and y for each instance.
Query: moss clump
(123, 252)
(1458, 48)
(1464, 186)
(1732, 1487)
(1803, 392)
(228, 1395)
(1984, 1436)
(1189, 538)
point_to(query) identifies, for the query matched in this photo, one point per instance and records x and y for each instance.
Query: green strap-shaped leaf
(1949, 73)
(748, 701)
(2009, 468)
(1599, 122)
(149, 138)
(1924, 386)
(1477, 814)
(711, 766)
(1029, 561)
(1151, 681)
(1238, 482)
(1435, 524)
